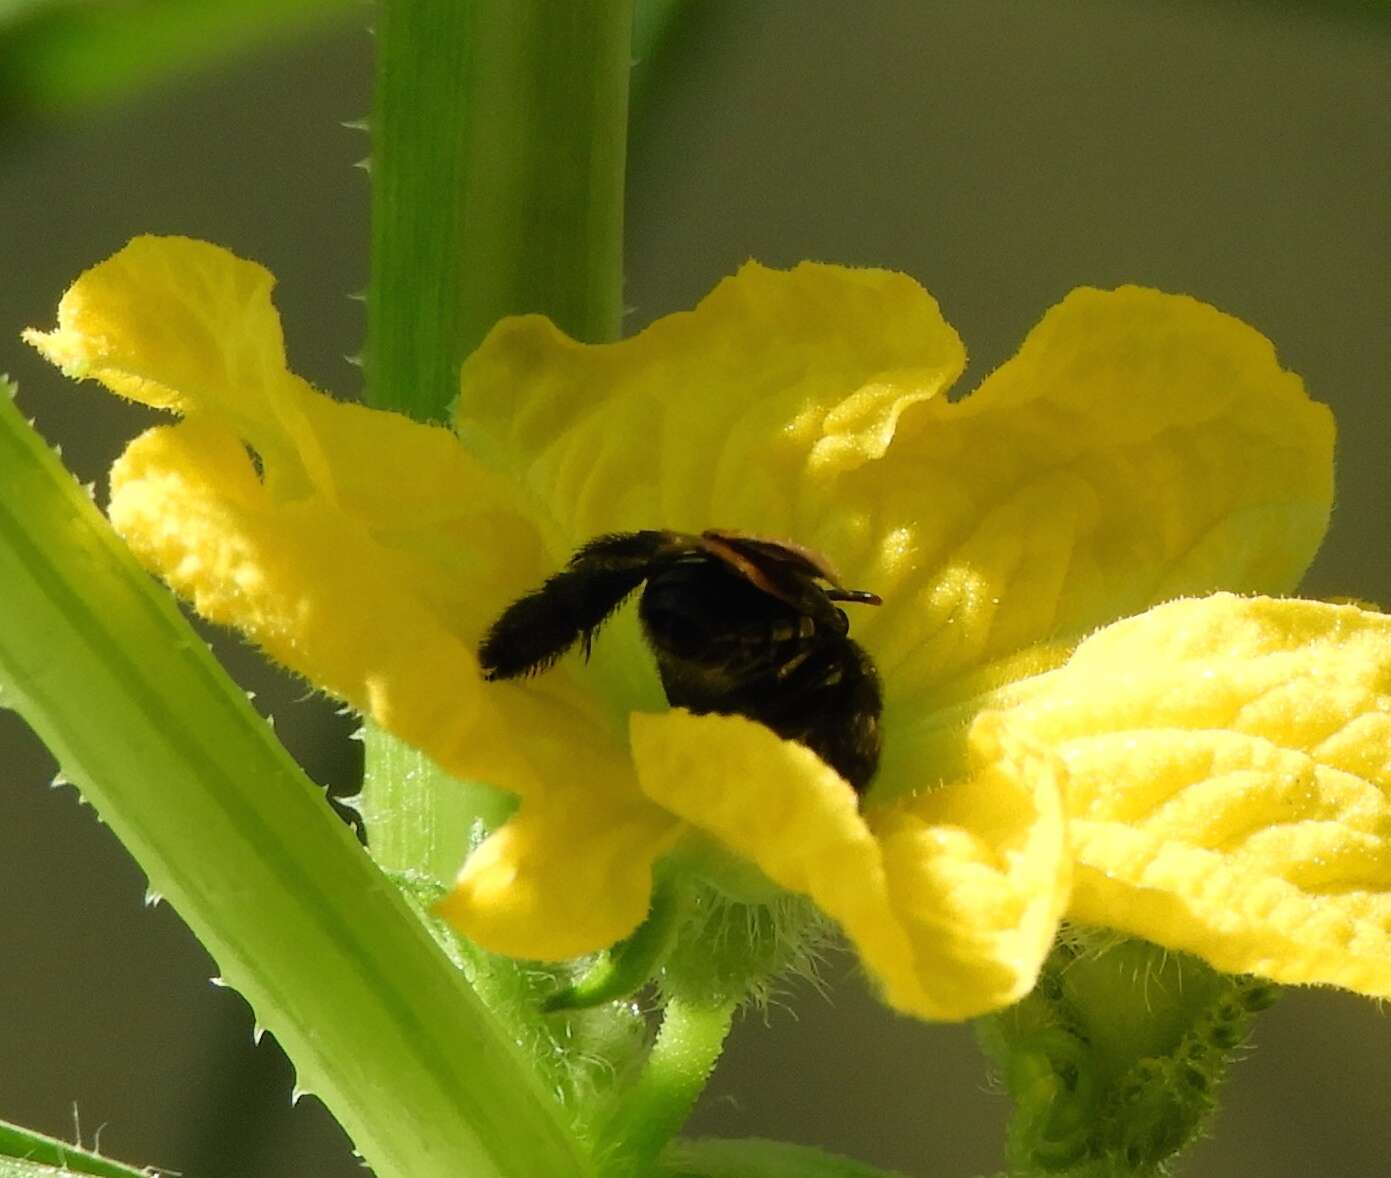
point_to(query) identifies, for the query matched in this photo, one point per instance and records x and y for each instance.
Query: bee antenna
(854, 596)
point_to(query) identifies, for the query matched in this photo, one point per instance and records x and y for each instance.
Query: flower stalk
(688, 1046)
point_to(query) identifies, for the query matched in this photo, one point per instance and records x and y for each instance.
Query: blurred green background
(1002, 151)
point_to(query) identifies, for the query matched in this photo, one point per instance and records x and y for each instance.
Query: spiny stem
(100, 662)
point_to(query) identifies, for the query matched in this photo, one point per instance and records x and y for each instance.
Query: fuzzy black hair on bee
(738, 624)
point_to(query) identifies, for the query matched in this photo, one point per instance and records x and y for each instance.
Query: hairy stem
(685, 1053)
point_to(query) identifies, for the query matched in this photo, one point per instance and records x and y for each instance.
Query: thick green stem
(687, 1048)
(227, 828)
(420, 818)
(499, 134)
(16, 1168)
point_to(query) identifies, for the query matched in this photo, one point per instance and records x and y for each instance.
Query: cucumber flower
(1076, 722)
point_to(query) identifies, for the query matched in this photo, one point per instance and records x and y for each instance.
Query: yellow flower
(1211, 774)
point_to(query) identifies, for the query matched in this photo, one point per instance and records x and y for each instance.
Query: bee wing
(779, 567)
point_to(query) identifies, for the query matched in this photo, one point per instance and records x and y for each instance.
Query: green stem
(24, 1152)
(499, 140)
(499, 137)
(231, 832)
(17, 1168)
(543, 194)
(420, 818)
(685, 1053)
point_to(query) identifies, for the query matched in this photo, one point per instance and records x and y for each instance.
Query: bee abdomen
(831, 703)
(739, 625)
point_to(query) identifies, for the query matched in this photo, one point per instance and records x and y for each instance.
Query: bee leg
(787, 669)
(570, 606)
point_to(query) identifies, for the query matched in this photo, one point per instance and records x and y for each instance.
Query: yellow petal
(723, 416)
(738, 414)
(176, 323)
(1229, 770)
(1139, 446)
(373, 621)
(369, 553)
(377, 622)
(952, 907)
(184, 325)
(569, 874)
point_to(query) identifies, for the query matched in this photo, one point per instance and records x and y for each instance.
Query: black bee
(739, 625)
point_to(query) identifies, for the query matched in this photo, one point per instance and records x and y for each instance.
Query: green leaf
(756, 1158)
(376, 1019)
(26, 1154)
(58, 56)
